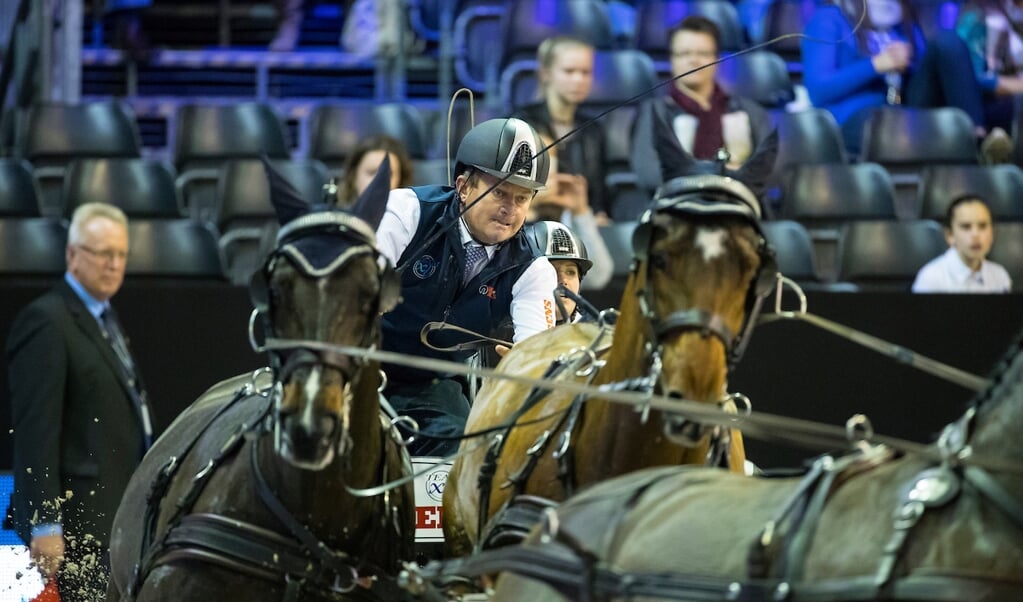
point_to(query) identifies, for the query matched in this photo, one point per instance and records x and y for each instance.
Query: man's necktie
(474, 254)
(114, 334)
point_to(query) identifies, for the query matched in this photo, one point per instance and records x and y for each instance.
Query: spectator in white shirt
(964, 267)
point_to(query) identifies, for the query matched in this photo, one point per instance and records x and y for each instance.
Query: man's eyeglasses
(107, 255)
(699, 54)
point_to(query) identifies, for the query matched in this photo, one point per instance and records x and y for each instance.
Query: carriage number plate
(429, 495)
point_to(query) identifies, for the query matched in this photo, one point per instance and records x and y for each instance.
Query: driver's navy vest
(432, 291)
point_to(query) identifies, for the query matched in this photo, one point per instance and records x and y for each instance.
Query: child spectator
(963, 268)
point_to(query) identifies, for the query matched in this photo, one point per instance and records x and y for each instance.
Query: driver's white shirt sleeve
(399, 223)
(532, 306)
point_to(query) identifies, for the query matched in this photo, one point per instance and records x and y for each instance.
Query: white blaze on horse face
(712, 242)
(312, 387)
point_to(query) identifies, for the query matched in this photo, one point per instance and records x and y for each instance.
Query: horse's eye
(658, 261)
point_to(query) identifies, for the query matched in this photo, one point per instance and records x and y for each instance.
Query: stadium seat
(335, 129)
(209, 135)
(655, 18)
(527, 23)
(32, 248)
(618, 238)
(403, 122)
(760, 75)
(140, 187)
(810, 136)
(1001, 186)
(18, 195)
(165, 248)
(886, 255)
(826, 197)
(785, 17)
(461, 122)
(830, 194)
(477, 57)
(1008, 251)
(808, 261)
(54, 135)
(805, 137)
(431, 171)
(244, 210)
(905, 140)
(793, 249)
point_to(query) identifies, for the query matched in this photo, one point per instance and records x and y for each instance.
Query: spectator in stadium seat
(565, 80)
(993, 33)
(81, 420)
(565, 200)
(704, 117)
(364, 161)
(886, 61)
(464, 259)
(964, 267)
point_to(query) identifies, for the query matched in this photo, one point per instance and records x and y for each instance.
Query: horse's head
(323, 284)
(702, 267)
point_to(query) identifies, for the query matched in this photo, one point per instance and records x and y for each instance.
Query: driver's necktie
(474, 256)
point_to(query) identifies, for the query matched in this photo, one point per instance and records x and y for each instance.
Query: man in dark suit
(81, 422)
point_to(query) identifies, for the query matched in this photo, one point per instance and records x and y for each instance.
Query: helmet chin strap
(472, 235)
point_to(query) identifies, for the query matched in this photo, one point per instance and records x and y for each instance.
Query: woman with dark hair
(363, 162)
(856, 61)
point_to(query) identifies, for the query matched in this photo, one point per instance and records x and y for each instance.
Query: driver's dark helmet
(500, 147)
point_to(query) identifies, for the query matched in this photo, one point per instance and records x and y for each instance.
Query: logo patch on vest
(488, 291)
(424, 267)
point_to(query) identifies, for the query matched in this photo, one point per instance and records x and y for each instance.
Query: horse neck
(611, 434)
(998, 429)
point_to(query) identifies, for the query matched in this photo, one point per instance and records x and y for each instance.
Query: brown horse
(945, 523)
(253, 492)
(701, 268)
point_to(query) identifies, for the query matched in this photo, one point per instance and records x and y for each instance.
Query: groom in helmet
(464, 260)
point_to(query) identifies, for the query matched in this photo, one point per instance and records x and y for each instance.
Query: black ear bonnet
(709, 195)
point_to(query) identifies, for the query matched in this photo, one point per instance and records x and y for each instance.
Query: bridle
(703, 196)
(318, 245)
(299, 242)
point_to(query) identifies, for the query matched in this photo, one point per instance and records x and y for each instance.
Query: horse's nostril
(674, 394)
(327, 425)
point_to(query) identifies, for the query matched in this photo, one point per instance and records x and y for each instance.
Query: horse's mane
(1003, 374)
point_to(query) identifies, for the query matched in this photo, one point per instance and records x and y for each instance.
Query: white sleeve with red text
(532, 306)
(399, 223)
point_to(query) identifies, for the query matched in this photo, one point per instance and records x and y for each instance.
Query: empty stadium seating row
(903, 141)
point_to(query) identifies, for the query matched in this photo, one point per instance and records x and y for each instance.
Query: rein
(561, 562)
(768, 427)
(891, 350)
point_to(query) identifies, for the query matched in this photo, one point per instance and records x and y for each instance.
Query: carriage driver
(471, 270)
(568, 256)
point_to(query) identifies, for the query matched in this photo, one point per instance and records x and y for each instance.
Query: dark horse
(943, 522)
(701, 268)
(251, 494)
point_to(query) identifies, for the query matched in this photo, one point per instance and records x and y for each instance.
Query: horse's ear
(288, 202)
(755, 171)
(675, 161)
(372, 203)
